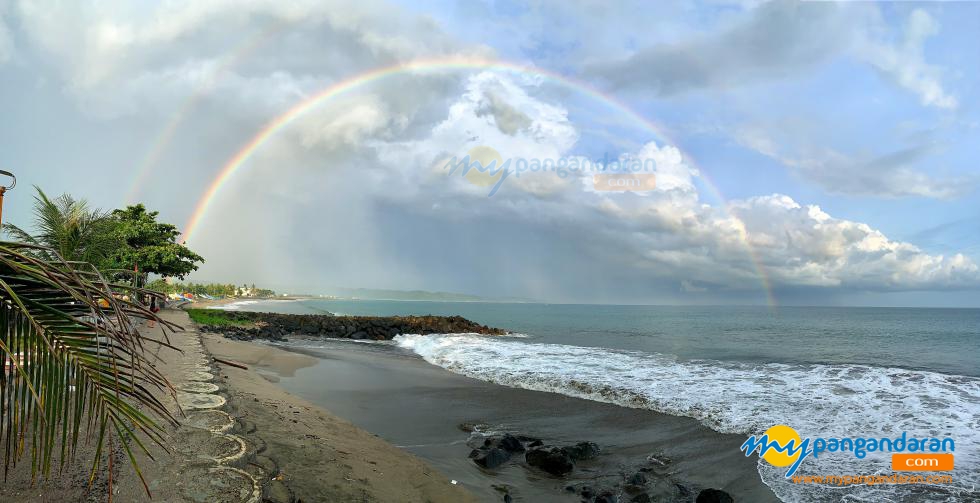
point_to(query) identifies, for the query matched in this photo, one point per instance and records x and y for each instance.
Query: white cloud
(889, 175)
(383, 148)
(803, 245)
(905, 62)
(668, 232)
(781, 39)
(348, 123)
(118, 57)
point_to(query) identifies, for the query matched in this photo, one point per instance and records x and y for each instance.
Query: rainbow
(166, 134)
(236, 162)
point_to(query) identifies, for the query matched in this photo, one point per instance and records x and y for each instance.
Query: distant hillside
(380, 294)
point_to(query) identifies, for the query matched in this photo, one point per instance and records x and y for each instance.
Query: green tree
(68, 228)
(151, 246)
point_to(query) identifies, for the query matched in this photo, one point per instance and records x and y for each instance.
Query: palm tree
(69, 227)
(73, 367)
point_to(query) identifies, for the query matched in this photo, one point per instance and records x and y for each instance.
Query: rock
(582, 451)
(638, 479)
(491, 458)
(510, 443)
(606, 497)
(277, 326)
(641, 498)
(555, 461)
(684, 491)
(276, 492)
(587, 492)
(714, 496)
(535, 443)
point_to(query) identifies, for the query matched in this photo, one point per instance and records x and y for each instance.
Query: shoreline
(319, 456)
(421, 408)
(379, 425)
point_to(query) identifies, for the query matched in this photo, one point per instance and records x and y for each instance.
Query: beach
(367, 422)
(669, 392)
(439, 417)
(421, 408)
(414, 417)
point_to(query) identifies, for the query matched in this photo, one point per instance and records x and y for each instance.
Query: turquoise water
(939, 340)
(827, 372)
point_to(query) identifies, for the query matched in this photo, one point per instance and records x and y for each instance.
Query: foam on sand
(235, 306)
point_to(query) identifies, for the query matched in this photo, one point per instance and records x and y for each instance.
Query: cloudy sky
(804, 153)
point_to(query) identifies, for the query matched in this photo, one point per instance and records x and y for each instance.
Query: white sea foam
(235, 306)
(748, 398)
(328, 343)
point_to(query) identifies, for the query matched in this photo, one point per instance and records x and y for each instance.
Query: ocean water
(827, 372)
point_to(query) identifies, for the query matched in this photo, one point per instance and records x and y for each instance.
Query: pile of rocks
(652, 481)
(276, 326)
(552, 459)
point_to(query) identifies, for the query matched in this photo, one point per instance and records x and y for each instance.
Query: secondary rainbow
(166, 135)
(428, 65)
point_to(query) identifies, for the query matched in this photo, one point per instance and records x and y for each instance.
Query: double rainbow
(338, 89)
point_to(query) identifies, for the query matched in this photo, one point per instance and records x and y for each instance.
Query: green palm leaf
(73, 369)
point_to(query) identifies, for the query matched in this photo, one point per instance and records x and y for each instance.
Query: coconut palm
(70, 228)
(74, 365)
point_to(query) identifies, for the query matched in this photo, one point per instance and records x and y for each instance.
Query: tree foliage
(69, 228)
(212, 289)
(151, 246)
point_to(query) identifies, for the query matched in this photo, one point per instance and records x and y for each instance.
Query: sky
(803, 153)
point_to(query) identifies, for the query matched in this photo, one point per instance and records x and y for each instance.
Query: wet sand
(317, 455)
(419, 408)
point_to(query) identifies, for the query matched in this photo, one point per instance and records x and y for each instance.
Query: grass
(215, 317)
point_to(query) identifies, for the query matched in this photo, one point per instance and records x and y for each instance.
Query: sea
(824, 371)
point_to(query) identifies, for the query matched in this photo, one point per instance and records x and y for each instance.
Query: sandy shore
(320, 456)
(420, 407)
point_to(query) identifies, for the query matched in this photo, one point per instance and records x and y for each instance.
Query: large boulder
(582, 451)
(510, 443)
(554, 460)
(490, 458)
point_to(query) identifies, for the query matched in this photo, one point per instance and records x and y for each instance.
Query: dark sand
(418, 407)
(291, 447)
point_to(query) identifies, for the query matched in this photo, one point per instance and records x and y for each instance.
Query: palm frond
(72, 368)
(67, 226)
